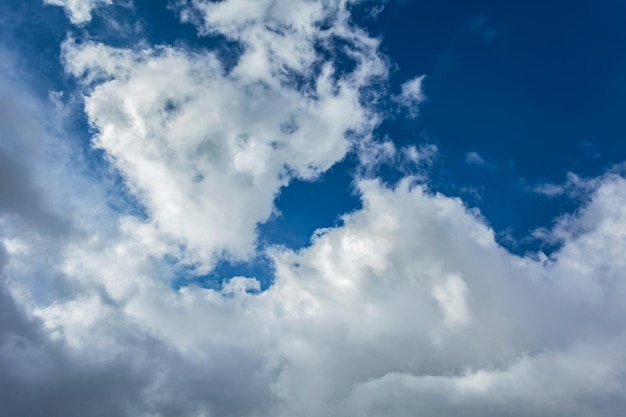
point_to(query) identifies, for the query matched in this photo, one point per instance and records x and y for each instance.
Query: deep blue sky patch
(537, 89)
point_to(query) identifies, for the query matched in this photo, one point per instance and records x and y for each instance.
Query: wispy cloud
(473, 158)
(479, 26)
(412, 95)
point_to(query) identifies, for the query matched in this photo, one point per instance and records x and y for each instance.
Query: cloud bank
(409, 307)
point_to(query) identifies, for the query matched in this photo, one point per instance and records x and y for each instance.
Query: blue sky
(535, 88)
(312, 207)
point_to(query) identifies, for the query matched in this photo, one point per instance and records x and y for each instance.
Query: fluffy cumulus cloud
(198, 144)
(409, 307)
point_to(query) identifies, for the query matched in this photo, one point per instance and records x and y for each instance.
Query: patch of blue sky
(537, 89)
(302, 208)
(148, 23)
(259, 267)
(306, 206)
(32, 34)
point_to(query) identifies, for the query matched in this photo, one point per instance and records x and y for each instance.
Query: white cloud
(411, 160)
(473, 158)
(79, 11)
(207, 151)
(412, 95)
(451, 296)
(410, 305)
(574, 186)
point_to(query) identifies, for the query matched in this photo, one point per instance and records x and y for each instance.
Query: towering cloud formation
(410, 307)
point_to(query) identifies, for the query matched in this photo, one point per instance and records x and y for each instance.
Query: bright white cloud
(79, 11)
(206, 151)
(410, 305)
